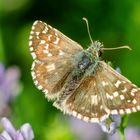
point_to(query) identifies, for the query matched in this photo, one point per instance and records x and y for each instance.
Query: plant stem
(122, 133)
(123, 125)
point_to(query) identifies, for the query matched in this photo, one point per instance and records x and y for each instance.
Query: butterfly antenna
(106, 49)
(121, 47)
(85, 19)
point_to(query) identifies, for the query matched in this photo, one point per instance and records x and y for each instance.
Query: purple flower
(110, 124)
(131, 133)
(84, 130)
(10, 133)
(9, 87)
(118, 70)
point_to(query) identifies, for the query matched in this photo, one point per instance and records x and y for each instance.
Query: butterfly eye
(100, 53)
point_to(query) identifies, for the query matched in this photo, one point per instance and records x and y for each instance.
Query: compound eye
(100, 53)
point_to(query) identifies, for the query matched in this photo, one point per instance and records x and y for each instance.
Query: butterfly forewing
(53, 55)
(48, 44)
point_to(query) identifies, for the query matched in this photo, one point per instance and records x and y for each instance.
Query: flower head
(10, 133)
(110, 124)
(84, 130)
(131, 133)
(9, 87)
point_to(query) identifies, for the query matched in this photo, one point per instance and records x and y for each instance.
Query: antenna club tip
(129, 48)
(84, 18)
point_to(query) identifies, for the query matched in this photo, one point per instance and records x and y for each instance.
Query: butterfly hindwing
(50, 77)
(121, 96)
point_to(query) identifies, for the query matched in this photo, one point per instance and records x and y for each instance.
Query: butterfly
(77, 80)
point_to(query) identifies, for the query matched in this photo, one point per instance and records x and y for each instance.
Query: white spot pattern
(122, 97)
(42, 42)
(94, 100)
(114, 111)
(121, 111)
(128, 110)
(134, 101)
(50, 67)
(115, 94)
(30, 43)
(56, 41)
(79, 116)
(104, 83)
(109, 96)
(33, 55)
(117, 83)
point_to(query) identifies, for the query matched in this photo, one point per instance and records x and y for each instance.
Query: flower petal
(110, 124)
(8, 127)
(19, 136)
(2, 72)
(11, 80)
(27, 131)
(5, 136)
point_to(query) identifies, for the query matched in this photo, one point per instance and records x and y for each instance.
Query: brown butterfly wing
(99, 95)
(53, 55)
(121, 95)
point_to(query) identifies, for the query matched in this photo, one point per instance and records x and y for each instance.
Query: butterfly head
(95, 49)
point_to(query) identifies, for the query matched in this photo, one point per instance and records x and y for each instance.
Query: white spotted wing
(52, 52)
(101, 94)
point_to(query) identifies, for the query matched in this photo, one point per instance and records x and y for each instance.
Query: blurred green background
(115, 23)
